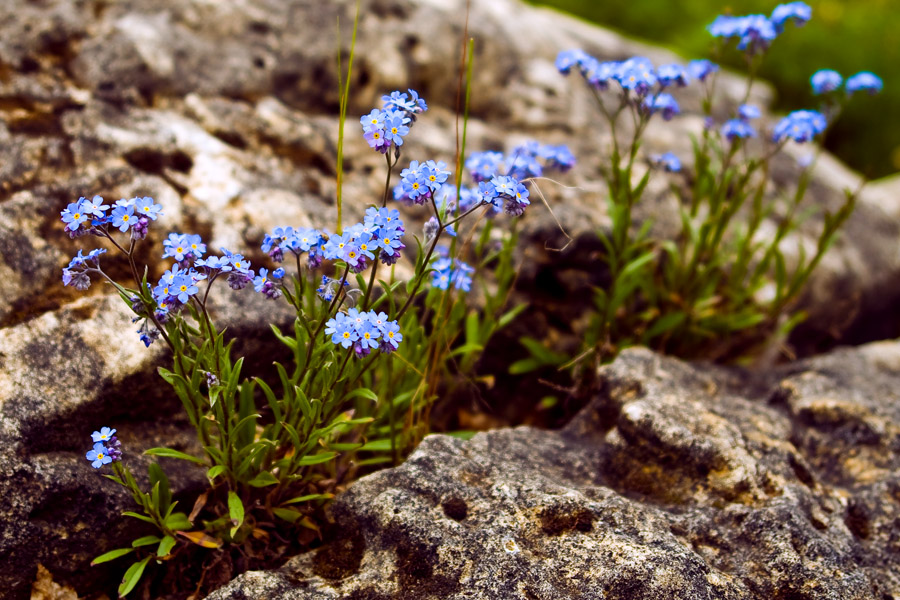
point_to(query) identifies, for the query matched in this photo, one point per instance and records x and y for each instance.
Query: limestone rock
(676, 482)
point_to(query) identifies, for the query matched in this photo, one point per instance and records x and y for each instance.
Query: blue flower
(377, 140)
(435, 174)
(483, 166)
(123, 217)
(461, 276)
(390, 336)
(672, 75)
(98, 456)
(183, 288)
(864, 81)
(278, 273)
(800, 12)
(176, 246)
(735, 129)
(748, 112)
(75, 214)
(260, 280)
(800, 126)
(701, 68)
(103, 435)
(342, 330)
(368, 334)
(214, 263)
(238, 263)
(599, 74)
(373, 120)
(94, 206)
(147, 208)
(559, 157)
(567, 59)
(756, 32)
(196, 245)
(636, 75)
(395, 128)
(825, 80)
(662, 103)
(399, 102)
(505, 185)
(334, 247)
(365, 245)
(308, 238)
(667, 161)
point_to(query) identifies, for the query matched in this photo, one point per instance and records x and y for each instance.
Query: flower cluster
(107, 448)
(447, 272)
(419, 182)
(297, 241)
(94, 217)
(385, 128)
(801, 126)
(756, 32)
(364, 331)
(378, 236)
(76, 274)
(828, 80)
(637, 77)
(740, 128)
(501, 181)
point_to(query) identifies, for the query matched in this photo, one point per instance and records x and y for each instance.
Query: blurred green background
(846, 36)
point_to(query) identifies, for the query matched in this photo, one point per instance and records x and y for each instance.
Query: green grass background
(862, 35)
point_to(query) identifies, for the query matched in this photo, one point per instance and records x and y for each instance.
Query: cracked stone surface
(676, 482)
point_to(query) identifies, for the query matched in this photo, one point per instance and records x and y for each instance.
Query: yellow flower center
(346, 335)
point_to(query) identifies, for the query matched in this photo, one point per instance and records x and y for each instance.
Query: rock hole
(455, 508)
(558, 520)
(857, 520)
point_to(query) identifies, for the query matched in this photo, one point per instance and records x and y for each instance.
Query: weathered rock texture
(676, 482)
(225, 112)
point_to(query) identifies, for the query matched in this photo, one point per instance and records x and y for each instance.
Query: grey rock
(677, 481)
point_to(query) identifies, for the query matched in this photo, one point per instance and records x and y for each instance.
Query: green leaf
(111, 555)
(315, 459)
(165, 546)
(132, 576)
(263, 479)
(665, 324)
(147, 540)
(467, 349)
(472, 328)
(308, 498)
(541, 352)
(287, 514)
(169, 453)
(158, 477)
(526, 365)
(215, 471)
(507, 317)
(140, 517)
(178, 522)
(377, 446)
(363, 393)
(235, 512)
